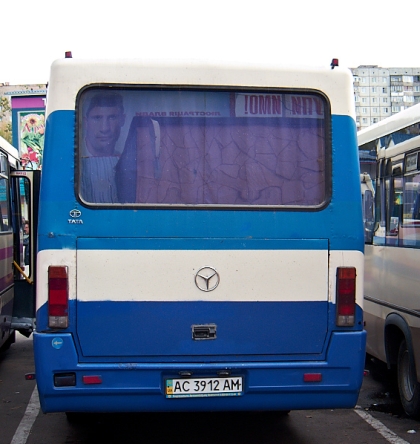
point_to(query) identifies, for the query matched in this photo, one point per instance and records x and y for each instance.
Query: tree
(5, 123)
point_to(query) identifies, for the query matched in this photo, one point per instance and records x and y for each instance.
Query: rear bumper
(135, 387)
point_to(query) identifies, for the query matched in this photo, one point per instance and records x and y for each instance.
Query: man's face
(103, 127)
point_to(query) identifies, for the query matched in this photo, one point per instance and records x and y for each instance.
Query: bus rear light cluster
(346, 296)
(58, 297)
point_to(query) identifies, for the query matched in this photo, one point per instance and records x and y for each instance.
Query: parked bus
(18, 211)
(200, 239)
(392, 251)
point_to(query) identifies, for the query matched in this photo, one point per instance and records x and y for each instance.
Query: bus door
(25, 194)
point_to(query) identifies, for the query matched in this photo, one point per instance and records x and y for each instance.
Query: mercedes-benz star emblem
(207, 279)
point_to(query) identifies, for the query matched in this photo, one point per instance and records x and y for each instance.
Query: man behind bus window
(102, 125)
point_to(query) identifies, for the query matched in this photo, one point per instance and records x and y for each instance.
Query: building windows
(408, 99)
(379, 93)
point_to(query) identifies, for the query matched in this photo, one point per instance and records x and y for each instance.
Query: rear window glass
(193, 148)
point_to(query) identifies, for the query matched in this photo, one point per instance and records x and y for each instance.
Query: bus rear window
(195, 148)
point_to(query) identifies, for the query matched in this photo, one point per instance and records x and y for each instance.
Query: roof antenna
(334, 63)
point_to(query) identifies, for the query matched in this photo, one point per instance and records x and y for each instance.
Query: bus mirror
(368, 210)
(368, 215)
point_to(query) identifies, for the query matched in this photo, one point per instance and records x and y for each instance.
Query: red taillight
(92, 379)
(312, 377)
(58, 297)
(346, 296)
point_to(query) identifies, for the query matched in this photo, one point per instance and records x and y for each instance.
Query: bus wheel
(408, 386)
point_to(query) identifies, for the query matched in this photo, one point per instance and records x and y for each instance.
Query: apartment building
(382, 92)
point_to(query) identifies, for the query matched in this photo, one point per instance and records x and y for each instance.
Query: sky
(263, 32)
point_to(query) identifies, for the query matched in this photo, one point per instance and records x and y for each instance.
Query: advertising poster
(31, 138)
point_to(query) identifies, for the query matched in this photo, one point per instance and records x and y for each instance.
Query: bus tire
(408, 386)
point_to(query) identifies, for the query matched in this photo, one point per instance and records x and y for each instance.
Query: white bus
(392, 251)
(200, 239)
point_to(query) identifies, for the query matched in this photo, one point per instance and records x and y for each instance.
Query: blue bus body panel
(153, 330)
(135, 387)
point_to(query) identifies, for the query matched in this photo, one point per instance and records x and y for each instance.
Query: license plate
(203, 387)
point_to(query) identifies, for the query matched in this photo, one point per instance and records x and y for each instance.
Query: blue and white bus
(200, 239)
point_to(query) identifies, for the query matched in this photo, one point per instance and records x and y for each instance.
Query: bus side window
(410, 235)
(416, 208)
(24, 198)
(2, 228)
(4, 204)
(394, 207)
